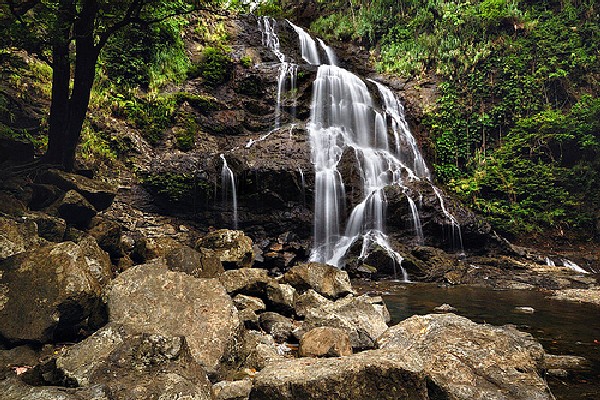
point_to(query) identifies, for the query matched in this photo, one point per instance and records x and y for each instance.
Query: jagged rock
(67, 278)
(233, 390)
(370, 375)
(147, 249)
(468, 360)
(324, 279)
(17, 236)
(233, 248)
(15, 389)
(49, 227)
(248, 307)
(76, 210)
(250, 281)
(185, 259)
(257, 350)
(99, 194)
(44, 196)
(591, 295)
(277, 326)
(137, 366)
(363, 322)
(310, 300)
(325, 342)
(552, 361)
(108, 235)
(149, 298)
(281, 297)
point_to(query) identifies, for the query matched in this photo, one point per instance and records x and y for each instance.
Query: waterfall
(228, 181)
(308, 46)
(456, 231)
(303, 182)
(331, 58)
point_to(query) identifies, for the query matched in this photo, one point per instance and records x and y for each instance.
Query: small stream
(563, 328)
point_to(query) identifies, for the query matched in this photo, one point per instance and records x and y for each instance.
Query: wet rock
(76, 210)
(15, 389)
(248, 307)
(325, 342)
(108, 235)
(68, 280)
(281, 297)
(233, 390)
(185, 259)
(363, 322)
(591, 295)
(277, 326)
(99, 194)
(17, 236)
(552, 361)
(137, 366)
(325, 279)
(233, 248)
(468, 360)
(257, 350)
(445, 308)
(367, 375)
(249, 281)
(524, 310)
(149, 298)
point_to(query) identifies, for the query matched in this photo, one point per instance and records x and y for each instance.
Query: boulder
(362, 320)
(108, 235)
(248, 307)
(17, 235)
(281, 297)
(325, 341)
(76, 210)
(150, 298)
(15, 389)
(99, 194)
(185, 259)
(325, 279)
(68, 279)
(370, 375)
(233, 390)
(249, 281)
(233, 248)
(49, 227)
(139, 366)
(469, 360)
(277, 326)
(257, 350)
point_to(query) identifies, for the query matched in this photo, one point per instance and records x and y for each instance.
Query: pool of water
(563, 328)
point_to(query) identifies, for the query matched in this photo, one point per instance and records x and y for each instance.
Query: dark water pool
(563, 328)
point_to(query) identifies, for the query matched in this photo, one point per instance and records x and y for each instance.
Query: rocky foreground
(87, 312)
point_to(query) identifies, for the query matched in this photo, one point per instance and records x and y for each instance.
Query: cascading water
(331, 58)
(308, 46)
(228, 182)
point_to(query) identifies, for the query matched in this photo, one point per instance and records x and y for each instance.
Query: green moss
(214, 67)
(177, 188)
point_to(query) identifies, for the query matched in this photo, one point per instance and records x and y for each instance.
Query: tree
(69, 35)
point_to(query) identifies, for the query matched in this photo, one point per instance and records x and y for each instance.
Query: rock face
(468, 360)
(54, 290)
(138, 366)
(76, 210)
(16, 236)
(233, 248)
(371, 375)
(325, 341)
(149, 298)
(324, 279)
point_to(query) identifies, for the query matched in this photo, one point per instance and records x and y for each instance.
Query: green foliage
(176, 188)
(95, 144)
(215, 66)
(185, 135)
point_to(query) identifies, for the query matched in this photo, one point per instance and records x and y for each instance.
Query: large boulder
(139, 366)
(15, 389)
(370, 375)
(99, 194)
(469, 360)
(325, 341)
(17, 236)
(185, 259)
(76, 210)
(53, 292)
(233, 248)
(362, 319)
(325, 279)
(152, 299)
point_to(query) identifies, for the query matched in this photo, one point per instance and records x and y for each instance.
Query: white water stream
(227, 182)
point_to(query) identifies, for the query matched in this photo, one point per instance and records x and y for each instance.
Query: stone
(524, 310)
(370, 375)
(76, 210)
(363, 321)
(281, 297)
(325, 279)
(17, 235)
(108, 235)
(250, 281)
(68, 279)
(146, 249)
(49, 227)
(468, 360)
(233, 248)
(139, 366)
(277, 326)
(325, 342)
(185, 259)
(15, 389)
(591, 295)
(150, 298)
(99, 194)
(257, 350)
(44, 196)
(233, 390)
(552, 361)
(445, 308)
(243, 302)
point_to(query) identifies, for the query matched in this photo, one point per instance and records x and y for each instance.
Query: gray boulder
(325, 341)
(53, 292)
(149, 298)
(469, 360)
(233, 248)
(17, 235)
(325, 279)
